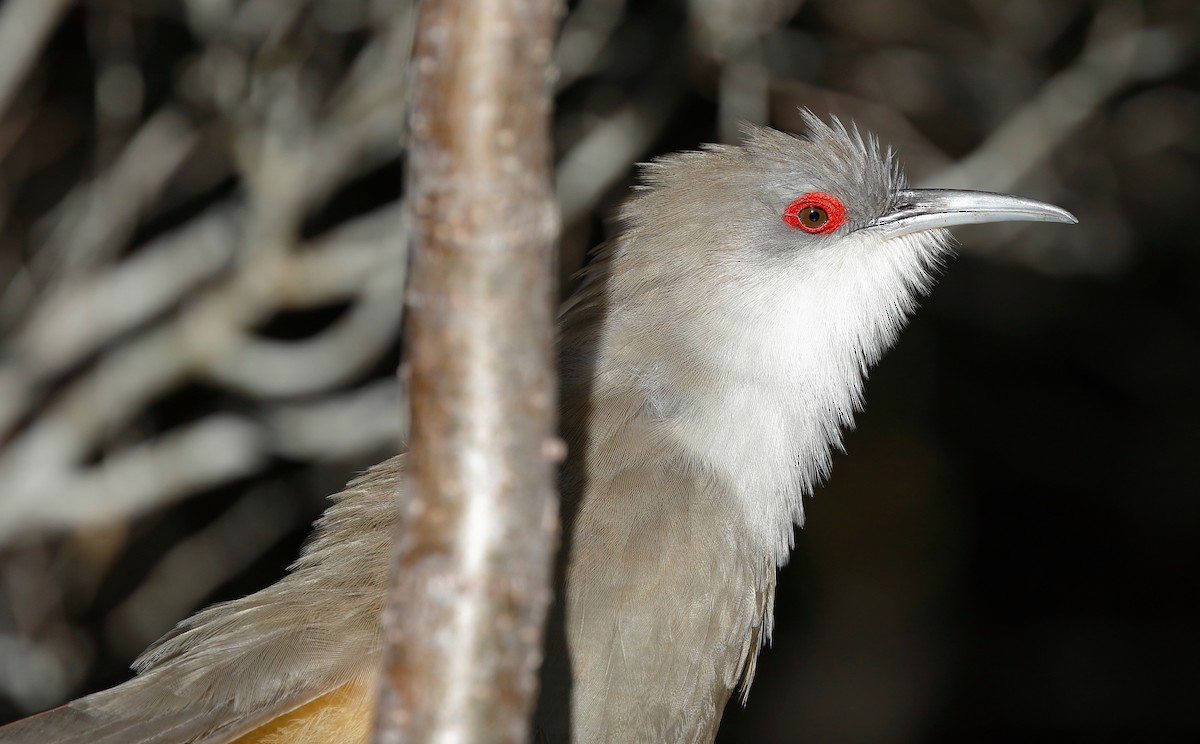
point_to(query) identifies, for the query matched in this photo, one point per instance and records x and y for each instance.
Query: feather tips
(239, 664)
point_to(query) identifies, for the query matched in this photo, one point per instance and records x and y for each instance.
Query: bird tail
(245, 664)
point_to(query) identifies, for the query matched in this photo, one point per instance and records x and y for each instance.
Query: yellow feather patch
(343, 716)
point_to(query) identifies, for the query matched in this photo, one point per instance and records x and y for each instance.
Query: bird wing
(663, 570)
(237, 665)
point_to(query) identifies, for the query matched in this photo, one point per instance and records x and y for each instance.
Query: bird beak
(928, 209)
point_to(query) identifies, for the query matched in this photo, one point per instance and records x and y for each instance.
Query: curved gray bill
(928, 209)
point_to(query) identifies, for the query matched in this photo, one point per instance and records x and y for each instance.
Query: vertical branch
(470, 587)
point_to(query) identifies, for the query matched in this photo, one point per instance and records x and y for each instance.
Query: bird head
(752, 286)
(793, 255)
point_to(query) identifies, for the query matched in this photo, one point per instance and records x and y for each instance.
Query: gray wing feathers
(663, 570)
(236, 665)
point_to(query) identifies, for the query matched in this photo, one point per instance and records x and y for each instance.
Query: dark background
(1008, 550)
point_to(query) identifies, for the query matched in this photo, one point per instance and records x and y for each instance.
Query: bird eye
(813, 218)
(816, 212)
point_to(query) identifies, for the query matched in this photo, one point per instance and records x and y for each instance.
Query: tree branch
(470, 588)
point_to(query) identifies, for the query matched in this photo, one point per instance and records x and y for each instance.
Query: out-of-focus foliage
(199, 204)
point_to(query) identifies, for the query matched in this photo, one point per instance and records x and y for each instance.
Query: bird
(710, 362)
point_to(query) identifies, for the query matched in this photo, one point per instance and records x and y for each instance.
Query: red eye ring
(815, 212)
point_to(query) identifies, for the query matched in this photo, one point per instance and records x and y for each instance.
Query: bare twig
(605, 154)
(272, 369)
(1026, 139)
(211, 451)
(585, 33)
(24, 27)
(95, 220)
(81, 315)
(211, 336)
(339, 426)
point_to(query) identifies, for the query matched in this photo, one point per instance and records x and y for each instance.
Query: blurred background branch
(198, 208)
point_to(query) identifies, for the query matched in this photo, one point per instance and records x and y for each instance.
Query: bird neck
(753, 385)
(699, 405)
(731, 418)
